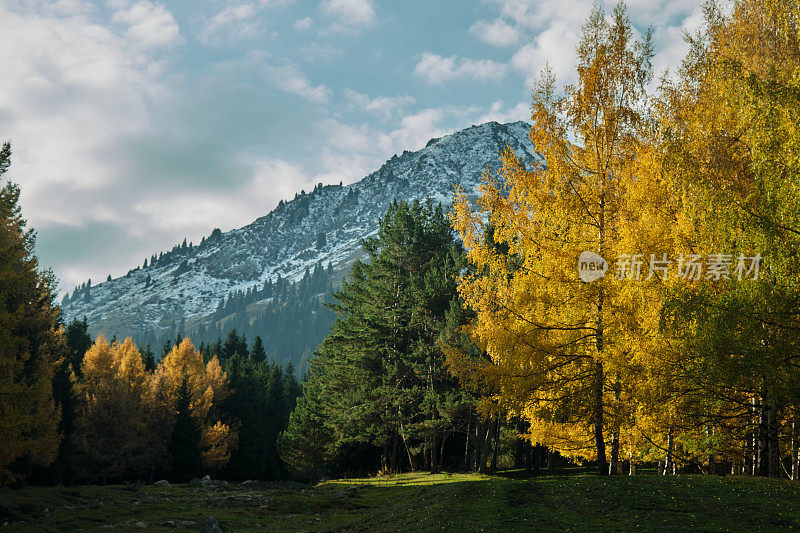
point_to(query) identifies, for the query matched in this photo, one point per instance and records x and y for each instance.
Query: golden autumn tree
(560, 346)
(731, 141)
(183, 369)
(114, 433)
(31, 343)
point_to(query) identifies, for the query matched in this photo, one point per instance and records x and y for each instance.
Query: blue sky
(137, 123)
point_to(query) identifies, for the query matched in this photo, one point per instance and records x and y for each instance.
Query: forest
(465, 338)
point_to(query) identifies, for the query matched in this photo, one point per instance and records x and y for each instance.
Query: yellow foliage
(208, 385)
(560, 348)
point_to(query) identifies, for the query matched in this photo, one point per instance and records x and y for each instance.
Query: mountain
(186, 289)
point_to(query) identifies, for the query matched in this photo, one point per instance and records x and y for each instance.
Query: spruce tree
(185, 459)
(381, 370)
(257, 353)
(148, 358)
(78, 343)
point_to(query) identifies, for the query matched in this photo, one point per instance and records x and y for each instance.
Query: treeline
(290, 318)
(74, 409)
(191, 413)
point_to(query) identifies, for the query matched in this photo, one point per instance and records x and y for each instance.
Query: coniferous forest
(627, 305)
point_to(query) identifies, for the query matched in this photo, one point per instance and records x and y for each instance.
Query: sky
(136, 123)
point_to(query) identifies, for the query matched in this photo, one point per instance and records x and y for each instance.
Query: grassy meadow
(418, 502)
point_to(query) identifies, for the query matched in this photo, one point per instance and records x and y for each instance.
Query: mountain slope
(183, 288)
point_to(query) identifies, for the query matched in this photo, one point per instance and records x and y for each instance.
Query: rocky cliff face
(185, 286)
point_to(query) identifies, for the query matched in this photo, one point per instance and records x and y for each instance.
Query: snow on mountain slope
(326, 225)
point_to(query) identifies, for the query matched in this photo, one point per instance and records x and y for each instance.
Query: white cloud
(556, 27)
(496, 33)
(670, 44)
(70, 89)
(279, 72)
(303, 23)
(149, 25)
(290, 79)
(270, 181)
(383, 106)
(555, 47)
(349, 15)
(499, 113)
(235, 21)
(351, 151)
(436, 69)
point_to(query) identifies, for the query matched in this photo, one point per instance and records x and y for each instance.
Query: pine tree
(306, 444)
(234, 345)
(381, 369)
(148, 358)
(185, 459)
(78, 343)
(257, 353)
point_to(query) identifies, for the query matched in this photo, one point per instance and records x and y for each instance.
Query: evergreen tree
(148, 358)
(307, 443)
(185, 458)
(64, 468)
(261, 400)
(381, 370)
(78, 343)
(166, 349)
(257, 353)
(234, 345)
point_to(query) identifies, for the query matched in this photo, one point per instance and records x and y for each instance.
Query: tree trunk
(795, 447)
(411, 462)
(484, 445)
(385, 455)
(599, 439)
(631, 463)
(440, 457)
(486, 441)
(773, 428)
(613, 465)
(752, 440)
(434, 454)
(519, 453)
(668, 461)
(600, 445)
(467, 454)
(710, 458)
(762, 461)
(493, 467)
(395, 448)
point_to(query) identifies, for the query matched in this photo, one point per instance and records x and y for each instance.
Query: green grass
(422, 502)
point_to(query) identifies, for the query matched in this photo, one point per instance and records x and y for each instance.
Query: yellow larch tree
(560, 347)
(114, 413)
(208, 386)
